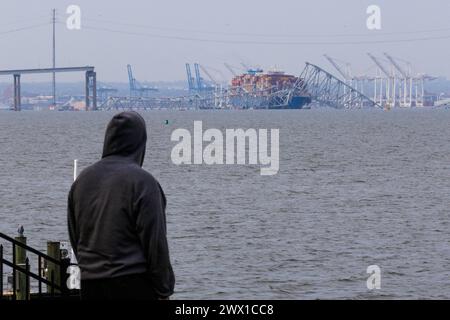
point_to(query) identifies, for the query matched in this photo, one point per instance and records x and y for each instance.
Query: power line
(24, 28)
(250, 42)
(241, 41)
(371, 35)
(22, 20)
(277, 35)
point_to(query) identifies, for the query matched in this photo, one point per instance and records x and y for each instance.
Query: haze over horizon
(158, 37)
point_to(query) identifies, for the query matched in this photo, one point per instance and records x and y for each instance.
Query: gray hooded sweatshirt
(116, 211)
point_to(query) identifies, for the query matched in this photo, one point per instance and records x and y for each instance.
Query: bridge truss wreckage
(320, 86)
(327, 90)
(149, 103)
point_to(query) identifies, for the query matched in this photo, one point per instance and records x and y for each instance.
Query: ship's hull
(297, 102)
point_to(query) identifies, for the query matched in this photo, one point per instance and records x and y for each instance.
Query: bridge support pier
(17, 98)
(91, 83)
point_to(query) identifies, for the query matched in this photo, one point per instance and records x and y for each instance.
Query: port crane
(218, 88)
(197, 83)
(420, 78)
(201, 84)
(250, 70)
(358, 82)
(406, 79)
(388, 81)
(345, 74)
(411, 81)
(213, 80)
(198, 78)
(190, 79)
(230, 69)
(135, 87)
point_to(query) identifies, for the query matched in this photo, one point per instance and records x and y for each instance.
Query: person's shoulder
(148, 178)
(145, 176)
(126, 173)
(84, 174)
(88, 171)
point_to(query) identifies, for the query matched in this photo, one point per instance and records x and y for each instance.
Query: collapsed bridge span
(327, 90)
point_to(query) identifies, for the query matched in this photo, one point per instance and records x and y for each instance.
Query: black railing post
(14, 272)
(55, 277)
(40, 276)
(53, 250)
(52, 281)
(1, 271)
(27, 280)
(64, 276)
(20, 259)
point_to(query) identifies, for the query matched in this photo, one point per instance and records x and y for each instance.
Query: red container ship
(256, 89)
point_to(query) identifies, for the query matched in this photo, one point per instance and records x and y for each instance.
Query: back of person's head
(126, 136)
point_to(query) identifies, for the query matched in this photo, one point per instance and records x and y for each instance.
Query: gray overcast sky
(160, 58)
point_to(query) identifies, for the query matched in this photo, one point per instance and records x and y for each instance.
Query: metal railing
(54, 278)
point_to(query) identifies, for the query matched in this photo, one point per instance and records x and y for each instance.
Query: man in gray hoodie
(116, 219)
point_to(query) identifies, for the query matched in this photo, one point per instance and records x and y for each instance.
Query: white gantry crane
(406, 79)
(346, 74)
(358, 82)
(388, 80)
(413, 91)
(230, 68)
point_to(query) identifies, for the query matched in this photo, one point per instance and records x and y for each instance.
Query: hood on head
(126, 136)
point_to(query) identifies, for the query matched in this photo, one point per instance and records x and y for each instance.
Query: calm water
(355, 188)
